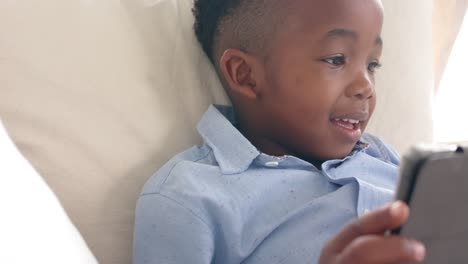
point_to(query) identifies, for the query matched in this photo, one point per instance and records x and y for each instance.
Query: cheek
(372, 103)
(300, 87)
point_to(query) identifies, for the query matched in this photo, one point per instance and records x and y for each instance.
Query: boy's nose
(362, 86)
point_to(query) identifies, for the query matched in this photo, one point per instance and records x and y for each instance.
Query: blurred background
(451, 83)
(424, 79)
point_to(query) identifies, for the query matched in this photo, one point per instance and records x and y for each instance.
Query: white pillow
(34, 227)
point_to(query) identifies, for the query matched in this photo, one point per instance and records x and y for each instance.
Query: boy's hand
(363, 241)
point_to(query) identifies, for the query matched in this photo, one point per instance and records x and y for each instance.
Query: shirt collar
(361, 145)
(233, 152)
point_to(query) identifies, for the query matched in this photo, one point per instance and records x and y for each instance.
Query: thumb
(376, 222)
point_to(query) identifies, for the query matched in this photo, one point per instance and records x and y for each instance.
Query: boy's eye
(335, 60)
(373, 66)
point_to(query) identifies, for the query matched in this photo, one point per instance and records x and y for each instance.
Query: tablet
(434, 183)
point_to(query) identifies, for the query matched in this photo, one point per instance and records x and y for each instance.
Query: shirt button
(272, 164)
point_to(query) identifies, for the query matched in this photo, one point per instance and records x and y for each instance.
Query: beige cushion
(99, 94)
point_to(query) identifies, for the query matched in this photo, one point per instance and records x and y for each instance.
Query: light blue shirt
(226, 202)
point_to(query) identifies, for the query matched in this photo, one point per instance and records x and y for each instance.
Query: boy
(288, 167)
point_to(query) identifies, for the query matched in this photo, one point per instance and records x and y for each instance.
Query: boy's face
(317, 91)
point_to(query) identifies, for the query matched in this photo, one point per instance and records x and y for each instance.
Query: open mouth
(348, 128)
(350, 124)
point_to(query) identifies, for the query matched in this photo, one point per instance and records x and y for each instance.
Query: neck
(270, 146)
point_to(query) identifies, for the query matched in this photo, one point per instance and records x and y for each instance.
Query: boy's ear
(240, 71)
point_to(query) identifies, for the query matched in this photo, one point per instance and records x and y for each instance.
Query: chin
(341, 152)
(326, 151)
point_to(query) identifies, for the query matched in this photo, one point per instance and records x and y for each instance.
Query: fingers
(376, 222)
(382, 249)
(363, 241)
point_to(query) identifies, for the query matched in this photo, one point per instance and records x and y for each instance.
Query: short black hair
(244, 23)
(208, 14)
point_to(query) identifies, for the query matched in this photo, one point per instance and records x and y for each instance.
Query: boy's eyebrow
(343, 32)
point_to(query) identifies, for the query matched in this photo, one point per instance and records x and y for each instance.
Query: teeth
(352, 121)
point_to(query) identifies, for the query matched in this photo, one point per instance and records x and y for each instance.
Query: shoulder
(379, 149)
(185, 164)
